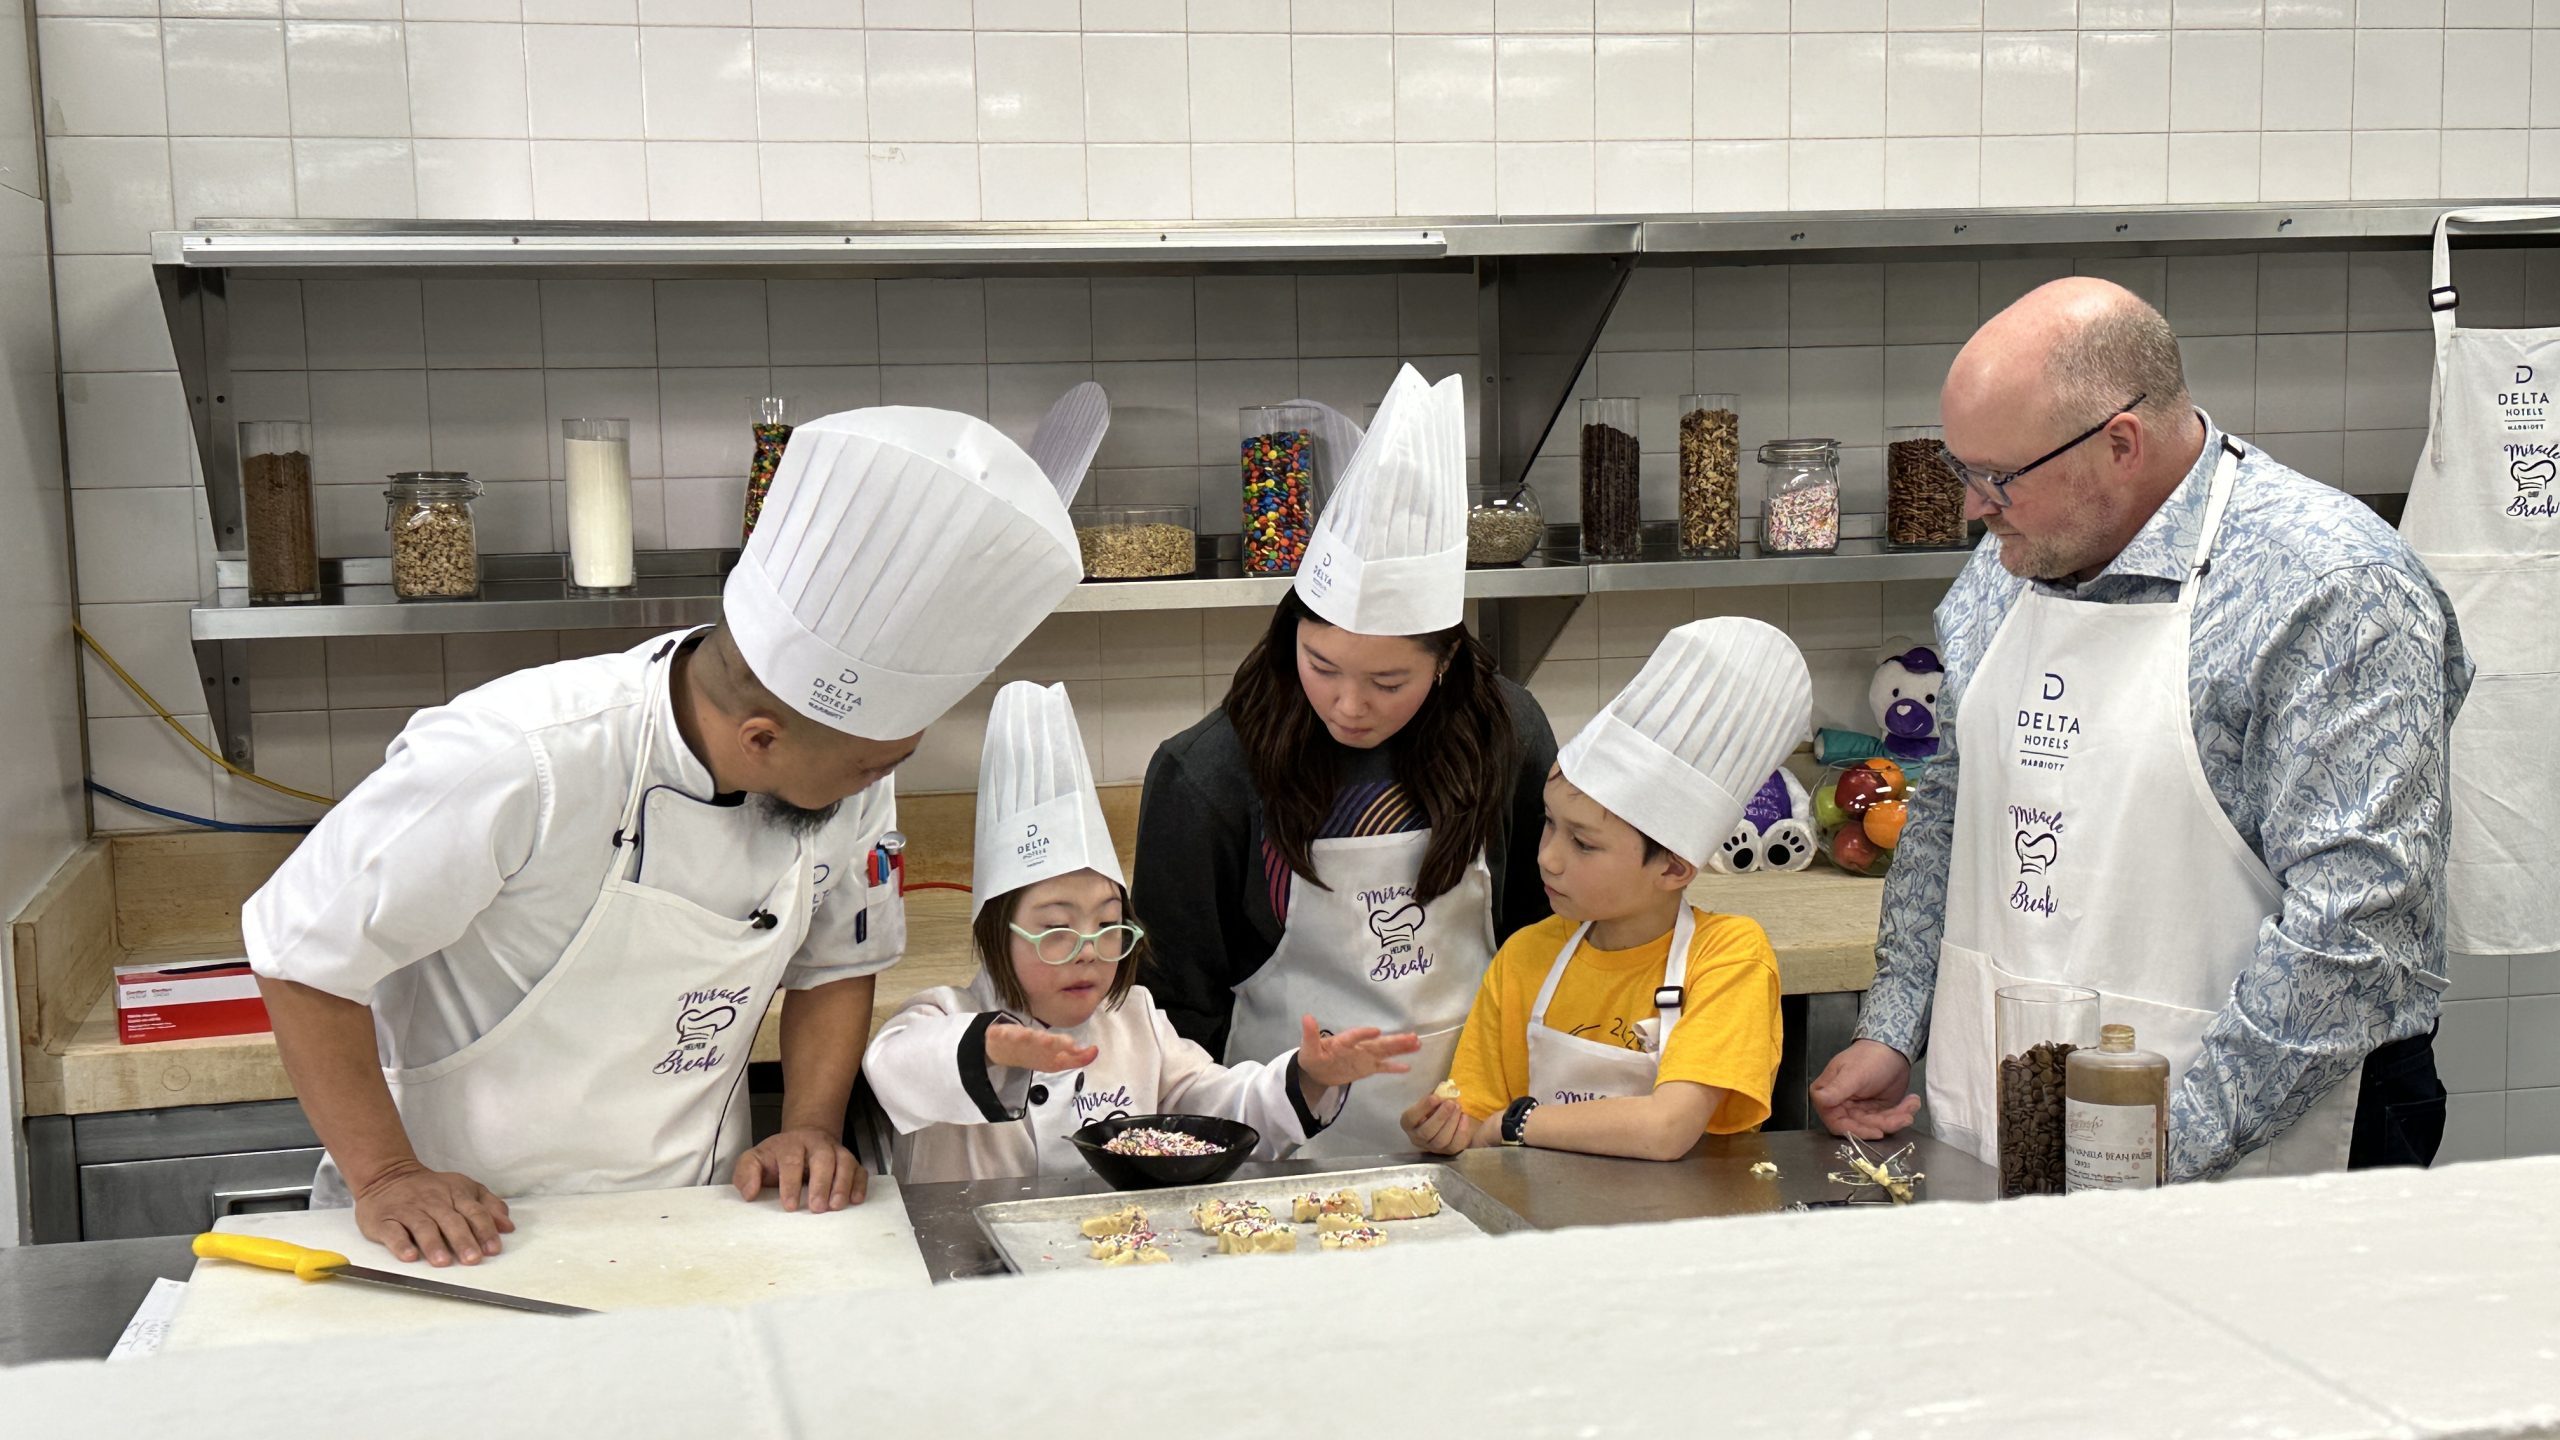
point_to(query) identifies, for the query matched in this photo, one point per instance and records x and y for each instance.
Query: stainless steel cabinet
(167, 1172)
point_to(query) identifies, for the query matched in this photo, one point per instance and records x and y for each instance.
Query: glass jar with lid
(435, 553)
(1801, 479)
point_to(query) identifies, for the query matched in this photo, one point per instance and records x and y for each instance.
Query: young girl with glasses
(1054, 1032)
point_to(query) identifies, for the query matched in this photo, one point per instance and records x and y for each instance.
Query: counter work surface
(65, 1302)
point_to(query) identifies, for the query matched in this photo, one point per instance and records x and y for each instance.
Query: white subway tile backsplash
(1240, 317)
(2214, 79)
(376, 672)
(488, 423)
(947, 387)
(2487, 80)
(1139, 182)
(1155, 413)
(1543, 88)
(1030, 87)
(1240, 88)
(1543, 179)
(823, 321)
(366, 424)
(2309, 80)
(1638, 177)
(150, 642)
(136, 544)
(1931, 302)
(2393, 164)
(352, 179)
(827, 389)
(230, 179)
(921, 181)
(2122, 170)
(706, 513)
(1139, 715)
(1347, 315)
(704, 180)
(1837, 391)
(697, 84)
(141, 758)
(1835, 304)
(126, 431)
(630, 395)
(468, 81)
(583, 83)
(713, 322)
(1018, 395)
(347, 78)
(1444, 88)
(1038, 320)
(364, 324)
(474, 179)
(1740, 175)
(1137, 88)
(922, 85)
(109, 193)
(2124, 81)
(2301, 293)
(2387, 379)
(2399, 79)
(1031, 182)
(1641, 87)
(1933, 85)
(2303, 165)
(1741, 86)
(483, 324)
(288, 675)
(2213, 168)
(2222, 375)
(2484, 162)
(2029, 83)
(2302, 383)
(1835, 174)
(1836, 85)
(102, 76)
(2380, 462)
(810, 86)
(702, 417)
(224, 77)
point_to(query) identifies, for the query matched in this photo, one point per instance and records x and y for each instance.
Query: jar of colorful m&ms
(1281, 495)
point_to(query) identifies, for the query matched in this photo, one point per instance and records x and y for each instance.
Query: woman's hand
(1042, 1052)
(1330, 1060)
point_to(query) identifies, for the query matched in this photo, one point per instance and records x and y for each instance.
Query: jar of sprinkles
(1802, 515)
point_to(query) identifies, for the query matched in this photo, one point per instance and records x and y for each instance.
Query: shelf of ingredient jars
(1659, 566)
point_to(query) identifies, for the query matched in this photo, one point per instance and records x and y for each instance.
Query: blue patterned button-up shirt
(2325, 670)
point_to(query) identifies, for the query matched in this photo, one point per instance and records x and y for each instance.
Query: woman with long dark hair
(1352, 833)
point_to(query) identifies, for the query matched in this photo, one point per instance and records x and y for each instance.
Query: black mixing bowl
(1155, 1172)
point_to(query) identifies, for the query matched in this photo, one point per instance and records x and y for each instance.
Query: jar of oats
(434, 555)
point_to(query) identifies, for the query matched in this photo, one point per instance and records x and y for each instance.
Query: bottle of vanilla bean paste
(2115, 1115)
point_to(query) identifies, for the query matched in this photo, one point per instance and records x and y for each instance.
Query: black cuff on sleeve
(974, 1078)
(1307, 1120)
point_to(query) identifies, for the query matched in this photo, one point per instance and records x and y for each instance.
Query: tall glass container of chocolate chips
(1801, 512)
(275, 495)
(1923, 492)
(1612, 481)
(769, 419)
(1710, 477)
(1280, 459)
(435, 552)
(2036, 1028)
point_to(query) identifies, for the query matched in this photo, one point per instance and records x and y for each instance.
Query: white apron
(625, 1067)
(1566, 1068)
(2089, 850)
(1364, 953)
(2484, 513)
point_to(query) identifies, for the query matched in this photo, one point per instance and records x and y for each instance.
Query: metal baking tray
(1043, 1236)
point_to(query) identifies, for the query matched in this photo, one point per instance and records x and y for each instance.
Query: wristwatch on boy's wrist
(1515, 1120)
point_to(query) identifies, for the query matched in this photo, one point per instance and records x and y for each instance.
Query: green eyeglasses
(1062, 944)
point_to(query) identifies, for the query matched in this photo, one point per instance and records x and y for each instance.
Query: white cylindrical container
(599, 454)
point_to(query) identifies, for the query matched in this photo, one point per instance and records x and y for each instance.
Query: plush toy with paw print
(1775, 833)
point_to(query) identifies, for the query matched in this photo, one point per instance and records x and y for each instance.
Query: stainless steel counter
(1549, 1189)
(70, 1302)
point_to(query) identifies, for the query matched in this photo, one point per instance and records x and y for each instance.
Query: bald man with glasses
(2199, 707)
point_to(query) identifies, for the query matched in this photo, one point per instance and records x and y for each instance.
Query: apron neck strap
(626, 834)
(2440, 291)
(1667, 999)
(2217, 501)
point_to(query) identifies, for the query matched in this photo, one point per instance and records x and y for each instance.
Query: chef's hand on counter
(413, 1211)
(810, 1169)
(1866, 1091)
(1325, 1061)
(1438, 1125)
(1043, 1052)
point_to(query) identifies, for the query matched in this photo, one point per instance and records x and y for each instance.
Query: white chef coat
(445, 886)
(961, 1118)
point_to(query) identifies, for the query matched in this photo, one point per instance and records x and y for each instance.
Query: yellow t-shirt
(1729, 1029)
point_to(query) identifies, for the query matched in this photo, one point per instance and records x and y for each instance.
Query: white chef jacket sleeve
(1264, 1096)
(928, 1065)
(399, 867)
(859, 928)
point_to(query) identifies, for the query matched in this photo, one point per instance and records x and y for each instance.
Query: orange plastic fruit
(1884, 822)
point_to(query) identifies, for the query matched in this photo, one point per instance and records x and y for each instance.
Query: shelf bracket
(223, 666)
(1520, 628)
(198, 309)
(1537, 318)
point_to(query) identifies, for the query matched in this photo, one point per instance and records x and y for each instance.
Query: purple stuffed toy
(1904, 695)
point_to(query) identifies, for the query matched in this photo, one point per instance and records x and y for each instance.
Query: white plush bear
(1775, 833)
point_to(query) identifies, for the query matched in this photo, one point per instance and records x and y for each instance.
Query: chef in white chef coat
(990, 1079)
(530, 954)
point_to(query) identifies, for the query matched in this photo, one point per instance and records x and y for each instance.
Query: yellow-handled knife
(310, 1264)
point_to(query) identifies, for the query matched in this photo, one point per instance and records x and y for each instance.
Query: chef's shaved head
(2067, 356)
(2077, 348)
(730, 684)
(750, 740)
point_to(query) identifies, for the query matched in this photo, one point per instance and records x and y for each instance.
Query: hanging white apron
(2484, 513)
(1566, 1068)
(625, 1067)
(2089, 850)
(1366, 953)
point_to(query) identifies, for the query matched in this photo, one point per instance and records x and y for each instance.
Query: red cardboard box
(187, 1002)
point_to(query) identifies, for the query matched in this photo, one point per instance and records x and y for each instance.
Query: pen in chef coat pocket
(306, 1263)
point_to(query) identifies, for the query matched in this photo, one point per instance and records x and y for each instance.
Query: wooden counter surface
(1822, 922)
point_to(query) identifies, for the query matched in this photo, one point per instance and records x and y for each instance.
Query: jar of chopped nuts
(1710, 477)
(434, 555)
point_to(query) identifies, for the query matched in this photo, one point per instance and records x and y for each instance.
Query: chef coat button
(1039, 1094)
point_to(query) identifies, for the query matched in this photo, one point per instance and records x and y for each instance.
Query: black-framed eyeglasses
(1061, 944)
(1992, 486)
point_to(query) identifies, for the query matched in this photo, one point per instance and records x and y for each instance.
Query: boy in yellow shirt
(1631, 1023)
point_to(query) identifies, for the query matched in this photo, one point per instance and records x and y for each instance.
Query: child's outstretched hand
(1330, 1060)
(1044, 1052)
(1438, 1125)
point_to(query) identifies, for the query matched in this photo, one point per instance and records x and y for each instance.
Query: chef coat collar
(2164, 548)
(678, 767)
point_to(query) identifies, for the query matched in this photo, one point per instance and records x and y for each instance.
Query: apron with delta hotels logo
(1366, 952)
(624, 1068)
(2484, 513)
(2089, 850)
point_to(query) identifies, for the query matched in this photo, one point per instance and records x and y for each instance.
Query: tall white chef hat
(1038, 814)
(902, 554)
(1703, 725)
(1389, 553)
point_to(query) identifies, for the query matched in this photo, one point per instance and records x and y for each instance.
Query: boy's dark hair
(992, 934)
